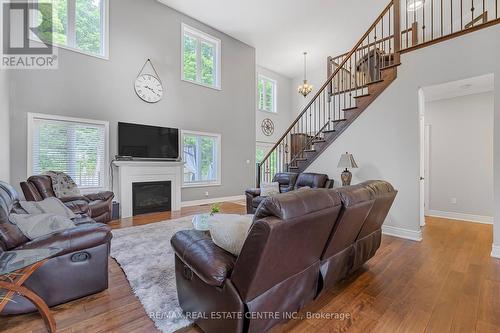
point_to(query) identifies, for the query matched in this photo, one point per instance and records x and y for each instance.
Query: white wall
(461, 155)
(92, 88)
(385, 138)
(283, 118)
(4, 127)
(317, 78)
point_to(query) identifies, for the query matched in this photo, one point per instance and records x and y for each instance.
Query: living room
(215, 163)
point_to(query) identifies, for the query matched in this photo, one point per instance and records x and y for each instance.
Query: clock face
(148, 88)
(267, 127)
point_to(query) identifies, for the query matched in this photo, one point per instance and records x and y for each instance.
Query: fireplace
(151, 197)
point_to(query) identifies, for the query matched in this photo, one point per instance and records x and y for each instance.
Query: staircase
(357, 78)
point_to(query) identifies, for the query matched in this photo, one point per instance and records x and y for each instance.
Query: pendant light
(305, 88)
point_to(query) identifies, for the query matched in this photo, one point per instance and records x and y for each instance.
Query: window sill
(265, 111)
(72, 49)
(194, 185)
(202, 84)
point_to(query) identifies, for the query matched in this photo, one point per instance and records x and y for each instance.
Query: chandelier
(305, 88)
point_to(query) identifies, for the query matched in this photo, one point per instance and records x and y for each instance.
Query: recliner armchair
(98, 206)
(288, 181)
(61, 279)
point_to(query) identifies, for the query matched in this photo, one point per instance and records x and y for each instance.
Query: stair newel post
(397, 30)
(257, 177)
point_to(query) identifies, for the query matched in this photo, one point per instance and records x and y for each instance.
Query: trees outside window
(201, 154)
(266, 89)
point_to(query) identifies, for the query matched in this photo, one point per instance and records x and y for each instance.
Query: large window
(267, 94)
(201, 153)
(79, 25)
(75, 146)
(200, 58)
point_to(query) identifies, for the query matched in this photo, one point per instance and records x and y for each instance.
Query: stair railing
(334, 100)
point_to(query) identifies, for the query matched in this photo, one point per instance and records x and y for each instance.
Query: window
(200, 58)
(75, 146)
(79, 25)
(267, 94)
(201, 153)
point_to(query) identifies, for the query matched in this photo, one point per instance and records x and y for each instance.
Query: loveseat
(97, 205)
(288, 181)
(80, 268)
(301, 244)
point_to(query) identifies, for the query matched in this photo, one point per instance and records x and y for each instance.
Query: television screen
(141, 141)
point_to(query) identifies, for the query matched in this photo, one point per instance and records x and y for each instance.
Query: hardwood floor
(446, 283)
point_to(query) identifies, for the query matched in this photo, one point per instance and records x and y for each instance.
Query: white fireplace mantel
(129, 172)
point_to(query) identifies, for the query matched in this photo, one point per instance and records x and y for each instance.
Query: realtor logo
(27, 36)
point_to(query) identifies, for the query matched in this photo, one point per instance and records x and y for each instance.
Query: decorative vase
(346, 178)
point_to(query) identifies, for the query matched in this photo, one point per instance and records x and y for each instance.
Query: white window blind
(76, 148)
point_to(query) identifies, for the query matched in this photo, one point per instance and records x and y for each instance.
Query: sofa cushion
(313, 180)
(229, 231)
(208, 261)
(43, 185)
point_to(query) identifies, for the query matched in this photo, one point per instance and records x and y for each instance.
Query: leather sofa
(301, 244)
(80, 268)
(98, 206)
(288, 181)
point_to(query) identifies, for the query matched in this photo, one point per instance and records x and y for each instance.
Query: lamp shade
(347, 161)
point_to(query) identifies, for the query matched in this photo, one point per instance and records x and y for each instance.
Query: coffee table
(15, 268)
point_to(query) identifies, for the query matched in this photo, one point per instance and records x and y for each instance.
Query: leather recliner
(301, 243)
(288, 181)
(66, 276)
(98, 206)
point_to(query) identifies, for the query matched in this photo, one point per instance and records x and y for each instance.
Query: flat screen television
(148, 142)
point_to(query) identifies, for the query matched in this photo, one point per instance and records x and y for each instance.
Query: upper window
(202, 158)
(79, 25)
(200, 58)
(75, 146)
(267, 94)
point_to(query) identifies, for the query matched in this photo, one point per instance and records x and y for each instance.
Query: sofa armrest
(77, 206)
(329, 183)
(103, 196)
(208, 261)
(254, 192)
(75, 239)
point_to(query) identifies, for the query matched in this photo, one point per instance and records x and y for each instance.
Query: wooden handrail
(330, 78)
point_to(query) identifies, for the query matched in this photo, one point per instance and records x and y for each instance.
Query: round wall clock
(267, 127)
(148, 86)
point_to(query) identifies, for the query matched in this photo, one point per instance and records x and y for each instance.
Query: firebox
(151, 197)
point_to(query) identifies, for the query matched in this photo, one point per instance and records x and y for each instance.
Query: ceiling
(281, 30)
(475, 85)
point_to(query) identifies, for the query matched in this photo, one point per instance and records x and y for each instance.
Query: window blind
(75, 148)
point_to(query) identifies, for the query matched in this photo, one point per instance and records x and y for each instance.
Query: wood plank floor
(446, 283)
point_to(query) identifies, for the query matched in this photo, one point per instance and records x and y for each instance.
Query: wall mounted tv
(148, 142)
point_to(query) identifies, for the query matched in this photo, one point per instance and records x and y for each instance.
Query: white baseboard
(495, 251)
(461, 216)
(212, 201)
(402, 233)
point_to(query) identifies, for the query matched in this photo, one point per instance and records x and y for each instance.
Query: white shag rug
(147, 258)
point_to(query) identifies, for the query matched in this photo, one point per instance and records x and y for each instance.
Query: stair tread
(339, 120)
(301, 159)
(310, 150)
(360, 96)
(329, 131)
(374, 82)
(293, 167)
(349, 109)
(390, 66)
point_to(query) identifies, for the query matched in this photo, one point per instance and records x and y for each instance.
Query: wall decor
(149, 87)
(267, 127)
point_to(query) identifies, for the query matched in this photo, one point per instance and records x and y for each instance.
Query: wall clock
(267, 127)
(148, 86)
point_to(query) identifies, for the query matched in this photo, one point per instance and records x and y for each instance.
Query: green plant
(215, 209)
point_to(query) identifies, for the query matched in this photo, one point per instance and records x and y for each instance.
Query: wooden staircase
(357, 78)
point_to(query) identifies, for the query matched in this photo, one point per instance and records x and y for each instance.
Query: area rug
(147, 258)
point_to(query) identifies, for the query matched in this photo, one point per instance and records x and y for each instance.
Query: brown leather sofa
(80, 268)
(288, 181)
(97, 206)
(300, 244)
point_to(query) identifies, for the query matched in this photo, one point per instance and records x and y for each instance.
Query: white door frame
(423, 159)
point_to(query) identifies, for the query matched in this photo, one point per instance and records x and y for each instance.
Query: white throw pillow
(229, 231)
(35, 226)
(268, 189)
(47, 206)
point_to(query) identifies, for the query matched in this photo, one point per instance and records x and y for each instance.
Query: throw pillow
(48, 206)
(35, 226)
(63, 185)
(268, 189)
(230, 231)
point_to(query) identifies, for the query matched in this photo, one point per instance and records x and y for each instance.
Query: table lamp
(347, 161)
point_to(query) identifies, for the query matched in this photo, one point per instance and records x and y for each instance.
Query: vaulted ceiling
(281, 30)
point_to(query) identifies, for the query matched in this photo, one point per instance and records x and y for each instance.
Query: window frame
(31, 125)
(275, 94)
(71, 33)
(201, 37)
(218, 140)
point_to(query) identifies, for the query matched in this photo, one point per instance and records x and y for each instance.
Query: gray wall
(283, 118)
(385, 138)
(461, 154)
(4, 126)
(88, 87)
